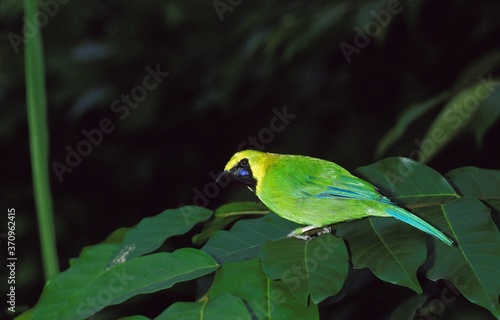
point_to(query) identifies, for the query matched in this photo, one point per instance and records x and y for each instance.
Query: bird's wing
(341, 185)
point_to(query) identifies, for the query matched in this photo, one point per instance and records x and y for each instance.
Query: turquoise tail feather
(413, 220)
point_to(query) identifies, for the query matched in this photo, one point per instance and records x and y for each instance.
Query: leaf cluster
(252, 271)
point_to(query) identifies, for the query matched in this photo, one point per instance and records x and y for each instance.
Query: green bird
(315, 192)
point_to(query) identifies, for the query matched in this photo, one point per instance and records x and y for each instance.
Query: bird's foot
(309, 232)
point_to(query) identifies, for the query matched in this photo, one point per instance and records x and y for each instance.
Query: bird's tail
(413, 220)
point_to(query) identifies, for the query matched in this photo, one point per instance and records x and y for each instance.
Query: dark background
(227, 73)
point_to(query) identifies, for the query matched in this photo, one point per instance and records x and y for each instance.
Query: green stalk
(39, 143)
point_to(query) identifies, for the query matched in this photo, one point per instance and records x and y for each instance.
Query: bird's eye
(244, 161)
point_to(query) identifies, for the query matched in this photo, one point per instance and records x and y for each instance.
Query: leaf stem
(36, 100)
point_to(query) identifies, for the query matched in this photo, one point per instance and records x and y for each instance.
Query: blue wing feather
(348, 186)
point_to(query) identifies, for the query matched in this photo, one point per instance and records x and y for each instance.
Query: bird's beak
(223, 174)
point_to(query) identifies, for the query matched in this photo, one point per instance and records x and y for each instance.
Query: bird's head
(248, 167)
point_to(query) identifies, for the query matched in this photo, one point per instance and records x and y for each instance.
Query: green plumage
(315, 192)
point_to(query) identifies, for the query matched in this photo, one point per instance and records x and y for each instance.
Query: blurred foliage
(225, 79)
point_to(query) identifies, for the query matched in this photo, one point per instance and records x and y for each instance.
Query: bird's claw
(324, 230)
(307, 233)
(293, 234)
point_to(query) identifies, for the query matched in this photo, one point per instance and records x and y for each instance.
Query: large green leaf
(474, 266)
(224, 306)
(408, 182)
(151, 232)
(391, 249)
(246, 236)
(483, 184)
(316, 268)
(244, 279)
(268, 299)
(88, 286)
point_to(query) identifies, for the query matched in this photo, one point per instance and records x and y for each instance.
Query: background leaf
(316, 268)
(458, 113)
(473, 266)
(412, 113)
(484, 65)
(151, 232)
(483, 184)
(486, 116)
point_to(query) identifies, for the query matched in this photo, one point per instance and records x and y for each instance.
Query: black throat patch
(243, 173)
